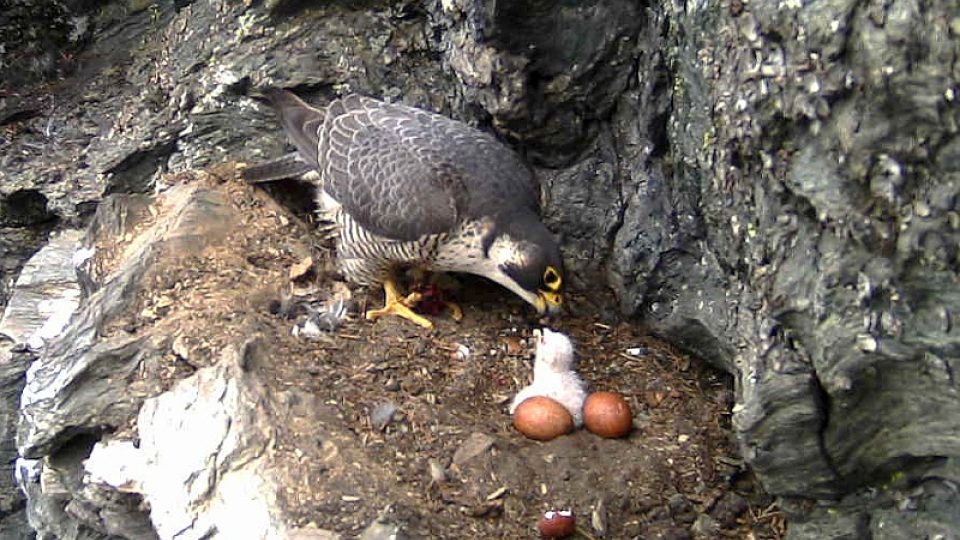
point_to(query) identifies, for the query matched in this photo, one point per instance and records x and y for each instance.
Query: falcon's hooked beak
(548, 302)
(549, 299)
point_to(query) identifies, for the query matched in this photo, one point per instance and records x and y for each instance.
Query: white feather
(554, 376)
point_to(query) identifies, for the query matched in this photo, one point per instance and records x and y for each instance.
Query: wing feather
(402, 172)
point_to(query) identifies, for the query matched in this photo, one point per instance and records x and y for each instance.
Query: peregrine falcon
(409, 188)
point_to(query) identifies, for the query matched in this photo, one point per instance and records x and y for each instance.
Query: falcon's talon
(397, 308)
(412, 299)
(398, 305)
(455, 310)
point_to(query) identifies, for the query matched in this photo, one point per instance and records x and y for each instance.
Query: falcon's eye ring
(551, 278)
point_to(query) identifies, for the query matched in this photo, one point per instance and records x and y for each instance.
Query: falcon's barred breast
(408, 187)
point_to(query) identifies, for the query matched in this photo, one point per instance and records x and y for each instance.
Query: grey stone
(382, 529)
(79, 384)
(108, 450)
(705, 526)
(382, 415)
(474, 445)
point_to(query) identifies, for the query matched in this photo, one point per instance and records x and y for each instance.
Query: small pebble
(476, 444)
(705, 526)
(438, 474)
(382, 415)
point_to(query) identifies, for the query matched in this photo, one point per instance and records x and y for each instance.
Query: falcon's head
(527, 261)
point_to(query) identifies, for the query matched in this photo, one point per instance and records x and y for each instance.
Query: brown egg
(557, 524)
(607, 414)
(542, 418)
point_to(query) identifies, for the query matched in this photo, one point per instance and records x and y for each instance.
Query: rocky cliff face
(821, 144)
(771, 187)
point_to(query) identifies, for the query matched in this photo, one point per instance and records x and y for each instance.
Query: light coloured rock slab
(46, 293)
(204, 463)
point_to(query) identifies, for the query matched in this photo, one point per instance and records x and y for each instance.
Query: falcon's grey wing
(375, 162)
(403, 172)
(496, 179)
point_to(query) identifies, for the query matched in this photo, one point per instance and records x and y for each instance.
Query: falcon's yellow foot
(455, 310)
(396, 304)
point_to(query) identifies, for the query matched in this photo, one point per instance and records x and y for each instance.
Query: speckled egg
(607, 414)
(542, 418)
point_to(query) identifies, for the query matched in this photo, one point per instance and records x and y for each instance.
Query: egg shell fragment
(557, 524)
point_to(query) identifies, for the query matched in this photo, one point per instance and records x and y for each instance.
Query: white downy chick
(553, 375)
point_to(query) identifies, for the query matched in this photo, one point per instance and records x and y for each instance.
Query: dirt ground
(448, 463)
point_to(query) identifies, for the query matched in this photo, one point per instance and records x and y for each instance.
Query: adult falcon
(407, 188)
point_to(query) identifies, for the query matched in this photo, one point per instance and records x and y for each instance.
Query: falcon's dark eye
(551, 278)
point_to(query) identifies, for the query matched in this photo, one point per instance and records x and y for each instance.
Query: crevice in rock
(18, 113)
(74, 449)
(863, 527)
(180, 4)
(297, 195)
(316, 94)
(25, 208)
(239, 88)
(287, 8)
(822, 402)
(136, 173)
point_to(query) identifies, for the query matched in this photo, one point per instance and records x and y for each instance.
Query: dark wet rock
(40, 40)
(728, 508)
(822, 275)
(25, 208)
(13, 366)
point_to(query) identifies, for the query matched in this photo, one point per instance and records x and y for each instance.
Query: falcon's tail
(301, 121)
(288, 166)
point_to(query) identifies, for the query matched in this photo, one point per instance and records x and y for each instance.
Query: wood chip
(513, 346)
(497, 494)
(301, 268)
